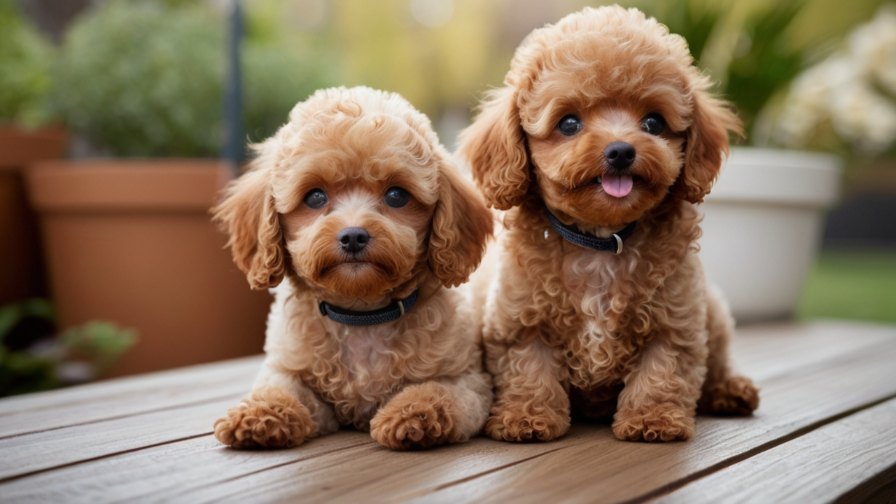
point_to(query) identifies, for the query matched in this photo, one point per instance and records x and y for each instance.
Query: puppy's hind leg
(281, 412)
(434, 412)
(724, 392)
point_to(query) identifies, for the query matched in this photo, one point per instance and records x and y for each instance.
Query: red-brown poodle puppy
(600, 144)
(360, 212)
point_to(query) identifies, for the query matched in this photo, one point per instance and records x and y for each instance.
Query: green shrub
(143, 79)
(147, 79)
(274, 80)
(748, 57)
(26, 59)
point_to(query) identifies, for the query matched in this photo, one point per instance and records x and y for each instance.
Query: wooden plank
(34, 412)
(105, 400)
(374, 474)
(593, 462)
(768, 348)
(185, 470)
(349, 465)
(820, 466)
(618, 471)
(160, 473)
(43, 450)
(771, 349)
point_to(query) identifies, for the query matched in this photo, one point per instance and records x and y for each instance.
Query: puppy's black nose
(620, 155)
(353, 239)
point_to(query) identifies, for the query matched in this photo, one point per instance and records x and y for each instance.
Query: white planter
(762, 225)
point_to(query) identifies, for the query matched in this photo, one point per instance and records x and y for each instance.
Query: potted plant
(25, 136)
(128, 235)
(764, 218)
(846, 103)
(839, 111)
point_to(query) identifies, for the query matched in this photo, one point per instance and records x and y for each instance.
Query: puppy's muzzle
(619, 155)
(617, 181)
(353, 239)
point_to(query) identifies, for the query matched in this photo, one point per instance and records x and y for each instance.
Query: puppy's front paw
(414, 419)
(512, 424)
(735, 395)
(653, 423)
(270, 418)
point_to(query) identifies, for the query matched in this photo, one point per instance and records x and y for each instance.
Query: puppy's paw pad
(416, 425)
(653, 424)
(509, 426)
(735, 396)
(268, 419)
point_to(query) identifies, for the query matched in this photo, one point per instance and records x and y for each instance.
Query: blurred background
(105, 102)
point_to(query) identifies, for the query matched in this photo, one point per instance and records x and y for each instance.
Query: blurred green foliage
(41, 362)
(25, 59)
(436, 66)
(749, 55)
(143, 79)
(147, 79)
(278, 72)
(855, 285)
(768, 63)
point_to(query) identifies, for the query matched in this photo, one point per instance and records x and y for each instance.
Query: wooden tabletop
(824, 430)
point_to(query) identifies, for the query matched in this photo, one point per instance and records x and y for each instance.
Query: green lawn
(851, 285)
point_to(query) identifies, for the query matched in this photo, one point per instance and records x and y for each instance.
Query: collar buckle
(618, 243)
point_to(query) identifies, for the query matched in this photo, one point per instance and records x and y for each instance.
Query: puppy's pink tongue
(617, 186)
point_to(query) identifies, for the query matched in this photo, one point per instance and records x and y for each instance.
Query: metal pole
(234, 151)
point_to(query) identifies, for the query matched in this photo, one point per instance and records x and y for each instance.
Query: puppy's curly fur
(637, 336)
(348, 159)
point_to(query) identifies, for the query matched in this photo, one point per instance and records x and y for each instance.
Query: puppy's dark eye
(654, 124)
(396, 197)
(569, 125)
(316, 198)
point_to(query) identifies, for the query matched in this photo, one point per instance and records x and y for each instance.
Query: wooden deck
(824, 431)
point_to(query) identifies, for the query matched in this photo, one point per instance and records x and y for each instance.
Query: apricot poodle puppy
(360, 212)
(600, 144)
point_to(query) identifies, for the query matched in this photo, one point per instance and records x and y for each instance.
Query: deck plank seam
(272, 467)
(120, 417)
(423, 492)
(802, 431)
(8, 479)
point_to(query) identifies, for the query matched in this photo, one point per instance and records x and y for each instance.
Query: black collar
(573, 235)
(393, 311)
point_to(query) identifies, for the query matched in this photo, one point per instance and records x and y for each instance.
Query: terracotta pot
(131, 241)
(20, 256)
(762, 227)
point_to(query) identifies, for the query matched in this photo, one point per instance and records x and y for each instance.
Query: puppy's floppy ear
(707, 142)
(495, 147)
(461, 226)
(248, 216)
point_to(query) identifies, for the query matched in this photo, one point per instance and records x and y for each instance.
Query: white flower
(874, 45)
(863, 117)
(844, 90)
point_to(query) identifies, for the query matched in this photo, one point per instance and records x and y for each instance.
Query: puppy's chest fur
(601, 347)
(358, 369)
(606, 308)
